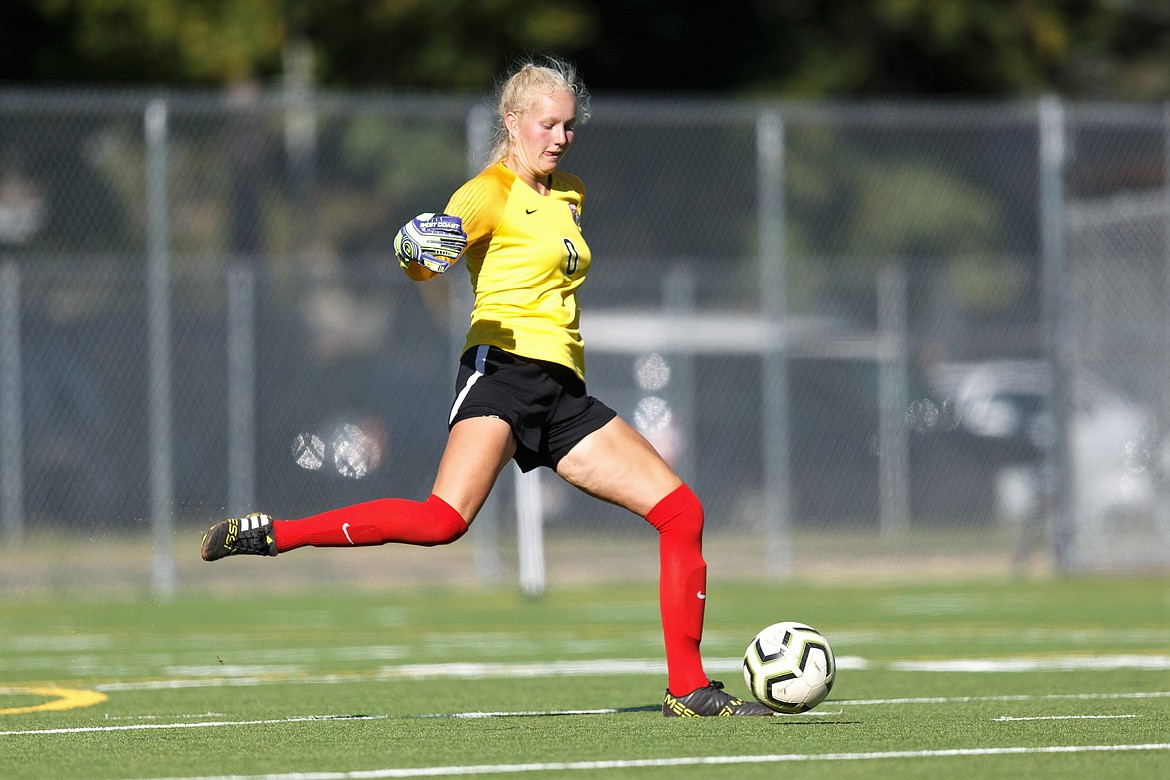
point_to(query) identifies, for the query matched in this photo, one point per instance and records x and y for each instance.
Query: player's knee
(444, 524)
(444, 533)
(680, 511)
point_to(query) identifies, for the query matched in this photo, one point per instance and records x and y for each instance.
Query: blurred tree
(179, 42)
(1080, 48)
(356, 43)
(451, 45)
(795, 48)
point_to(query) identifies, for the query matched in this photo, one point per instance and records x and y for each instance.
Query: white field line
(610, 666)
(1066, 663)
(1004, 718)
(565, 766)
(203, 724)
(1005, 697)
(606, 711)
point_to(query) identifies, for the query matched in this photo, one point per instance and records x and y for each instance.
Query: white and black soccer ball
(789, 667)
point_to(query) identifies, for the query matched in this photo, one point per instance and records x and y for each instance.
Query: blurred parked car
(1003, 409)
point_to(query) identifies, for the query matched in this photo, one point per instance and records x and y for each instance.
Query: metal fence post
(11, 422)
(1055, 283)
(777, 477)
(159, 359)
(530, 531)
(1163, 508)
(241, 390)
(894, 446)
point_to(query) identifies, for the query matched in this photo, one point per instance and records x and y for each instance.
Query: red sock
(682, 586)
(383, 520)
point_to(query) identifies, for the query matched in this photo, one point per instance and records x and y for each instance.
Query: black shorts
(545, 403)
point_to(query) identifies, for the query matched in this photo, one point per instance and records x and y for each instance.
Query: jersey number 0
(573, 258)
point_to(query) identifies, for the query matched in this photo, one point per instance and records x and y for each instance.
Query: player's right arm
(431, 243)
(478, 204)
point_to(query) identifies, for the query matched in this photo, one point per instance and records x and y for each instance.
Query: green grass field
(1010, 679)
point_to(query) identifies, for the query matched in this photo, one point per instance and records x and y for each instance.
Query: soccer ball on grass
(789, 667)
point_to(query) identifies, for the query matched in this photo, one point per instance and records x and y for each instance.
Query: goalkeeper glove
(434, 241)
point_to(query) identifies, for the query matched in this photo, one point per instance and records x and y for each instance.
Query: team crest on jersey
(576, 214)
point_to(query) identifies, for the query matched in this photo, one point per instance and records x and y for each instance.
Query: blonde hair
(514, 95)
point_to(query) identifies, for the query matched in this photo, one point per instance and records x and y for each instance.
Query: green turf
(332, 683)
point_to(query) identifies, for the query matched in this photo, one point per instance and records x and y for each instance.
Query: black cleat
(709, 701)
(248, 535)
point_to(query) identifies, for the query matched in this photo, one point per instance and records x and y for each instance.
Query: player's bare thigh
(616, 463)
(477, 450)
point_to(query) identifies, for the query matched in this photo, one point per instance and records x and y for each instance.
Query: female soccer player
(520, 389)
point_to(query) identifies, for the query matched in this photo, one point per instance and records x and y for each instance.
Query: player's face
(541, 135)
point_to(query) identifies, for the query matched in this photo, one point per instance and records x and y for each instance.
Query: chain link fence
(871, 336)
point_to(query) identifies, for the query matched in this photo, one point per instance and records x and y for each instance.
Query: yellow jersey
(527, 257)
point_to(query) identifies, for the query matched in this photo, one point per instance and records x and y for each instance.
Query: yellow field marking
(66, 699)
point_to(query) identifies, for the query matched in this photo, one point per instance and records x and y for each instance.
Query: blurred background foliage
(1082, 49)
